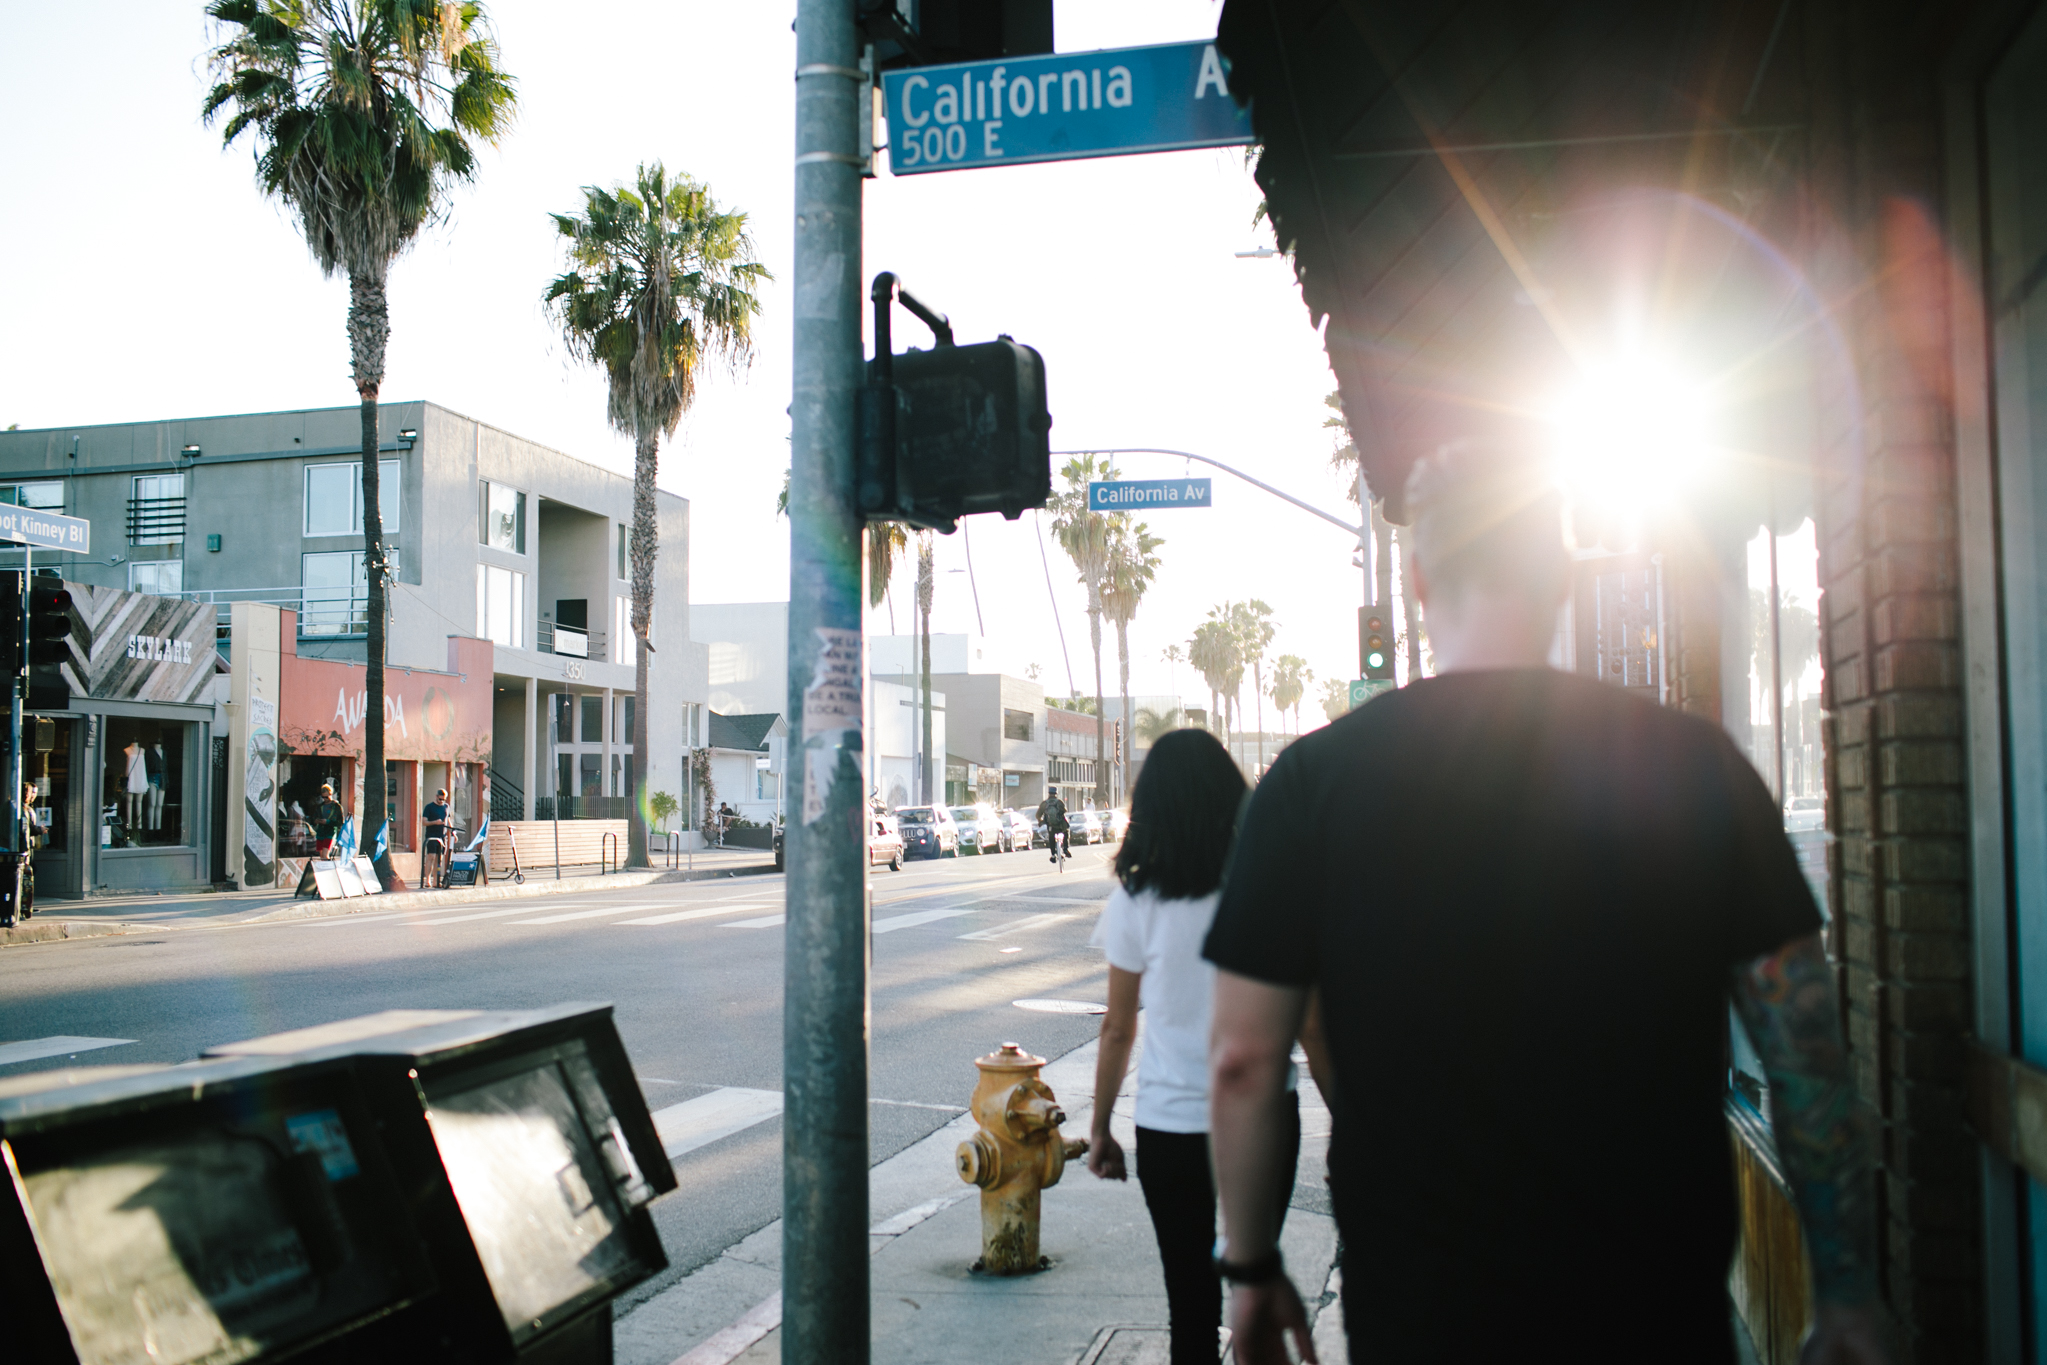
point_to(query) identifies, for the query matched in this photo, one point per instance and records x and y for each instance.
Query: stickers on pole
(831, 706)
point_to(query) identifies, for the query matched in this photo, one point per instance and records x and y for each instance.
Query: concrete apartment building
(494, 538)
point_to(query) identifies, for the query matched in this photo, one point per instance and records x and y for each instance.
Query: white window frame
(331, 613)
(18, 489)
(486, 487)
(389, 475)
(492, 580)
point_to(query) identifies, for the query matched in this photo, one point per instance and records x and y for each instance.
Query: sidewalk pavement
(1103, 1301)
(152, 912)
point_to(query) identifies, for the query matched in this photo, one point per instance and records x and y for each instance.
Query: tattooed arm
(1786, 1000)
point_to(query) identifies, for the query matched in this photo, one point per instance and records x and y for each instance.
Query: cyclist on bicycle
(436, 816)
(1052, 815)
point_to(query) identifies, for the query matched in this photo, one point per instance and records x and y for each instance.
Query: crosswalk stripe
(764, 922)
(917, 917)
(701, 912)
(57, 1045)
(699, 1122)
(625, 909)
(1020, 926)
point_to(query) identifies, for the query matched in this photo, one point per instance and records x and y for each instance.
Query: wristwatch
(1263, 1270)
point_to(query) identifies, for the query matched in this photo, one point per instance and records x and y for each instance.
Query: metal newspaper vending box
(528, 1158)
(218, 1211)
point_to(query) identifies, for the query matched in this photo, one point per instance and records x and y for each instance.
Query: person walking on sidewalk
(1528, 898)
(1170, 872)
(327, 820)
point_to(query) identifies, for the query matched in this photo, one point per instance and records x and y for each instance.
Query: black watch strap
(1263, 1270)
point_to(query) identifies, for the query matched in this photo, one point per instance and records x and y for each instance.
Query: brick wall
(1888, 572)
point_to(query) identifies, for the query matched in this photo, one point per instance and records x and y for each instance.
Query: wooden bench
(583, 844)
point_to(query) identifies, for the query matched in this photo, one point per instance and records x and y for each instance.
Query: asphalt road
(698, 997)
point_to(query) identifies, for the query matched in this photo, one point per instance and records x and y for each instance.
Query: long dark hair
(1182, 816)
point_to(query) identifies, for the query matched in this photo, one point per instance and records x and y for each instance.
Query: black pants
(1179, 1189)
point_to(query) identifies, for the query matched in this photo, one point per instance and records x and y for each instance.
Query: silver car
(981, 829)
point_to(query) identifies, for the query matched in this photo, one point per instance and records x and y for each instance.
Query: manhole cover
(1061, 1006)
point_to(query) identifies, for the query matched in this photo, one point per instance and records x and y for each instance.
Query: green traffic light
(1376, 660)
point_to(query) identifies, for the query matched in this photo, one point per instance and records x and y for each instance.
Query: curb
(35, 932)
(420, 900)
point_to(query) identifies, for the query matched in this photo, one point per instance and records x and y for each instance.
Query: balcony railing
(156, 521)
(323, 612)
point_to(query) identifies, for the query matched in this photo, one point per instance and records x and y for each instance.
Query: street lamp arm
(1332, 519)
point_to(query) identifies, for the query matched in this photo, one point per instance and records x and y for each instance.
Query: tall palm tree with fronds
(1086, 537)
(1133, 563)
(365, 114)
(659, 282)
(1212, 649)
(1290, 678)
(1252, 621)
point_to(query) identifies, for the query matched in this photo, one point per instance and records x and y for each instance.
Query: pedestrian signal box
(951, 431)
(1375, 650)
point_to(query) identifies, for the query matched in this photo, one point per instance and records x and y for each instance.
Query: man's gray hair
(1487, 516)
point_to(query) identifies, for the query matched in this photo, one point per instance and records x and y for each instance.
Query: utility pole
(825, 1315)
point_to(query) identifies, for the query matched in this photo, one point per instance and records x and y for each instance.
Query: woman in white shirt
(1182, 816)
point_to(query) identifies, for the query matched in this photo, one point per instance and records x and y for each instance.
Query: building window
(501, 606)
(334, 498)
(622, 537)
(45, 497)
(626, 645)
(1016, 724)
(501, 517)
(334, 594)
(157, 577)
(156, 510)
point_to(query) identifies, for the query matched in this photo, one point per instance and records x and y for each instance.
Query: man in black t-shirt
(1528, 899)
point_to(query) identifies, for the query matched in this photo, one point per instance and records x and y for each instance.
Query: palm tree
(1086, 537)
(1213, 651)
(1132, 566)
(1252, 621)
(365, 113)
(659, 280)
(1335, 699)
(1290, 678)
(1151, 724)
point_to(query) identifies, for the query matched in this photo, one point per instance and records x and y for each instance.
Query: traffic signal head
(1375, 651)
(927, 32)
(49, 624)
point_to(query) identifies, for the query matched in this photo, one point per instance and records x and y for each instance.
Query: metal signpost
(1148, 495)
(1061, 107)
(28, 528)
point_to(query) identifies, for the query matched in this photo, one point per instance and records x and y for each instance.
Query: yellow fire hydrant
(1017, 1154)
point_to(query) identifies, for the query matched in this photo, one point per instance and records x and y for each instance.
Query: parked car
(1023, 834)
(1118, 823)
(884, 842)
(1805, 813)
(980, 829)
(1086, 828)
(928, 832)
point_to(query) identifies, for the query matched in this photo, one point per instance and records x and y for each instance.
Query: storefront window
(144, 785)
(52, 773)
(298, 796)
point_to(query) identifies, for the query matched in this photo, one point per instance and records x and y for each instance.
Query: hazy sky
(149, 280)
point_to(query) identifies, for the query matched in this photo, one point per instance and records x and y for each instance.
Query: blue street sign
(1147, 495)
(1060, 107)
(46, 530)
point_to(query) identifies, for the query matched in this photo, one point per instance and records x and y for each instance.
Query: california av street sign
(1147, 495)
(1060, 107)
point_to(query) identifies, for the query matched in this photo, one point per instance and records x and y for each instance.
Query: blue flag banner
(383, 841)
(1148, 495)
(1060, 107)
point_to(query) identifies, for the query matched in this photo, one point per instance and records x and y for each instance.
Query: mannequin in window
(136, 785)
(152, 761)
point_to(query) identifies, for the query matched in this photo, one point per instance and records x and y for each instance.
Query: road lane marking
(764, 922)
(1021, 926)
(700, 912)
(699, 1122)
(625, 909)
(56, 1045)
(917, 917)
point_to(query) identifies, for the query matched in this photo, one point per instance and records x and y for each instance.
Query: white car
(1803, 813)
(981, 829)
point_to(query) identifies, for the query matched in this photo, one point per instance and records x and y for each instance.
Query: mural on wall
(130, 646)
(259, 840)
(428, 716)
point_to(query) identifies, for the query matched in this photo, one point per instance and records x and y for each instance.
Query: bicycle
(434, 859)
(1062, 848)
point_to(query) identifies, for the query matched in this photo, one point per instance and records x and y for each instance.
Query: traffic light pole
(825, 1315)
(10, 811)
